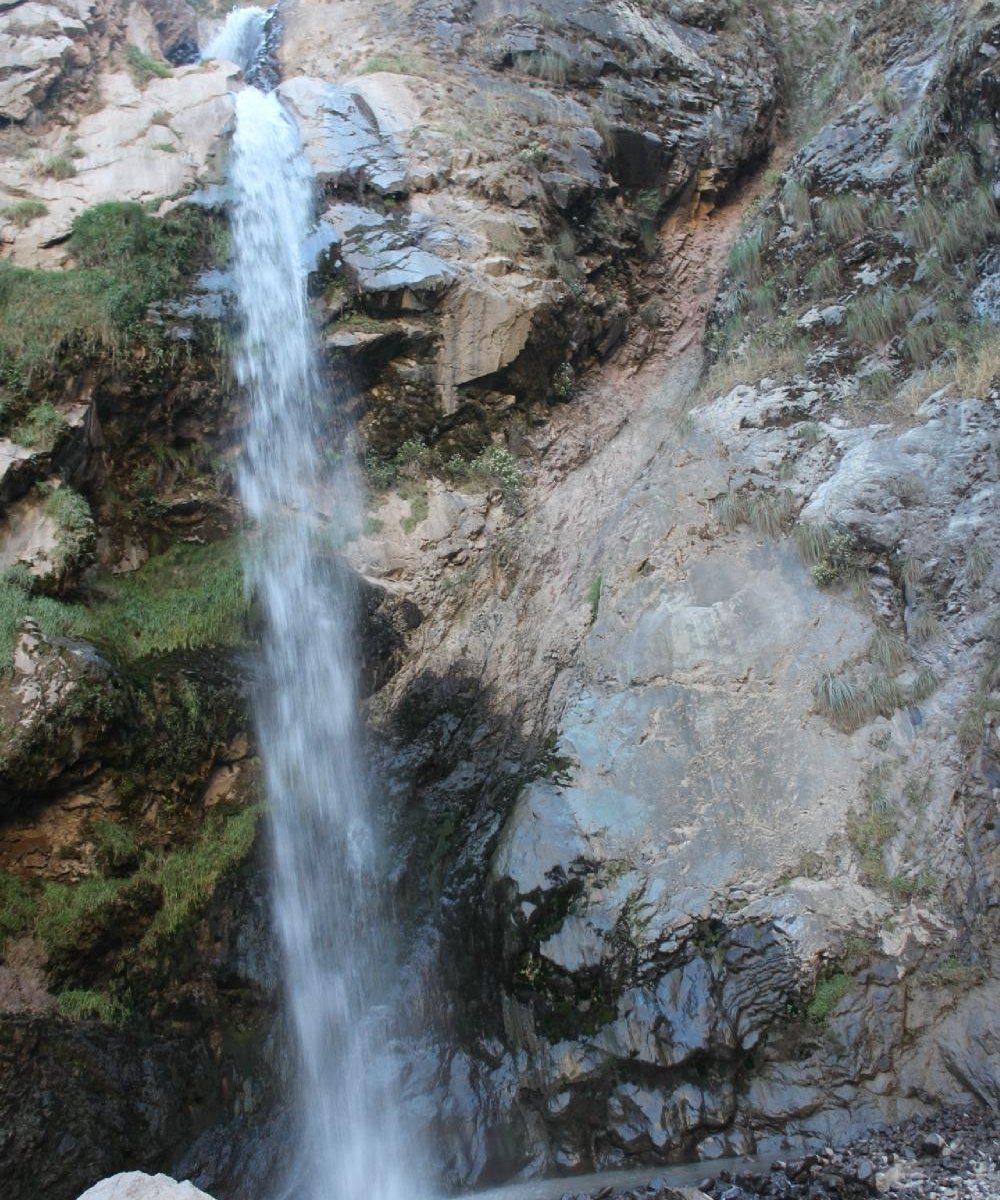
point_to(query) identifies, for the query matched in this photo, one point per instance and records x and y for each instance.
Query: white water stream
(326, 877)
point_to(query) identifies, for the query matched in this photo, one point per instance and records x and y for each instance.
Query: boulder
(135, 1185)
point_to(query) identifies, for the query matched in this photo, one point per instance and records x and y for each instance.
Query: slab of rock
(135, 1185)
(38, 43)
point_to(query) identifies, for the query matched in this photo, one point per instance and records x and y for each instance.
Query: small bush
(40, 429)
(842, 699)
(82, 1005)
(22, 212)
(498, 467)
(923, 624)
(830, 990)
(115, 846)
(979, 563)
(924, 686)
(189, 876)
(842, 217)
(745, 257)
(887, 648)
(887, 98)
(58, 167)
(18, 906)
(843, 557)
(813, 542)
(796, 202)
(923, 224)
(823, 277)
(144, 68)
(594, 596)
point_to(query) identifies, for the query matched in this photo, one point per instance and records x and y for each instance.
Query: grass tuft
(22, 212)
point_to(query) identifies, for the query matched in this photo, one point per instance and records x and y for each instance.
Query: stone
(135, 1185)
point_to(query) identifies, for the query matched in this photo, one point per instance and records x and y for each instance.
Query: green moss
(830, 990)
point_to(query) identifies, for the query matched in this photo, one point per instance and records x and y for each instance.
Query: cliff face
(670, 335)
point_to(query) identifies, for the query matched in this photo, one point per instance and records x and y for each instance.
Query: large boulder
(134, 1185)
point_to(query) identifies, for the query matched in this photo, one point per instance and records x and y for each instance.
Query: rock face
(681, 650)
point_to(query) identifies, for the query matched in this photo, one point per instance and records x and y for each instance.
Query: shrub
(830, 990)
(796, 201)
(887, 98)
(144, 68)
(813, 542)
(823, 277)
(842, 217)
(923, 624)
(887, 648)
(40, 429)
(745, 257)
(979, 563)
(115, 846)
(84, 1005)
(924, 686)
(58, 167)
(923, 223)
(498, 467)
(842, 557)
(22, 212)
(842, 699)
(18, 906)
(594, 596)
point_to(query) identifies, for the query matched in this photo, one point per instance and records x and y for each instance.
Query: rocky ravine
(683, 685)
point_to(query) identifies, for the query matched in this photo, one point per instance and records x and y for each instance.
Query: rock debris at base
(949, 1156)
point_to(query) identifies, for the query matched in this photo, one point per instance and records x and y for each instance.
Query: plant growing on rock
(143, 68)
(22, 212)
(842, 217)
(830, 990)
(40, 429)
(80, 1004)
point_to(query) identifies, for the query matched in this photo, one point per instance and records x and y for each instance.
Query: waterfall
(297, 483)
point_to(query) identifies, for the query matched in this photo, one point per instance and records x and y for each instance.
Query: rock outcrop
(134, 1185)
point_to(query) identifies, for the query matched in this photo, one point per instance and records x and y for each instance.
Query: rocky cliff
(670, 334)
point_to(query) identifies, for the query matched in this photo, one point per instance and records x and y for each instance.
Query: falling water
(325, 849)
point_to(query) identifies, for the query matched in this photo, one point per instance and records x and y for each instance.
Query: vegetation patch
(80, 1004)
(144, 68)
(127, 260)
(830, 990)
(22, 212)
(191, 596)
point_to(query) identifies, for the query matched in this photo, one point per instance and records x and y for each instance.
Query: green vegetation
(58, 167)
(189, 597)
(166, 889)
(767, 513)
(144, 68)
(399, 64)
(17, 906)
(115, 846)
(416, 494)
(870, 832)
(79, 1004)
(22, 212)
(190, 875)
(836, 556)
(830, 990)
(887, 648)
(594, 596)
(40, 428)
(956, 972)
(493, 467)
(77, 533)
(842, 217)
(127, 261)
